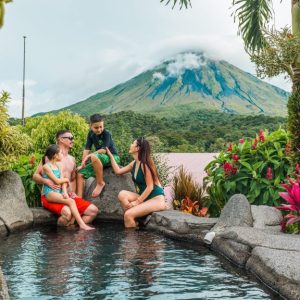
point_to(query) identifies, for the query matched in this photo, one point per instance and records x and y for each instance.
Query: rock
(3, 287)
(236, 212)
(14, 211)
(265, 216)
(108, 203)
(233, 251)
(42, 216)
(180, 225)
(278, 269)
(254, 237)
(3, 229)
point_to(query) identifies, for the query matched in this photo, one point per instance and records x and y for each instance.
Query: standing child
(52, 171)
(100, 138)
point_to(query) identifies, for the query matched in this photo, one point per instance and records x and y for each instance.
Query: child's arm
(50, 174)
(116, 168)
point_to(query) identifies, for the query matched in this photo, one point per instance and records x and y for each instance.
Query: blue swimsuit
(46, 188)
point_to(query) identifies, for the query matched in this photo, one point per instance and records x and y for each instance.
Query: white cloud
(158, 76)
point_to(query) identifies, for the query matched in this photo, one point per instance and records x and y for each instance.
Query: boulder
(266, 217)
(278, 269)
(42, 216)
(107, 202)
(236, 212)
(3, 287)
(14, 211)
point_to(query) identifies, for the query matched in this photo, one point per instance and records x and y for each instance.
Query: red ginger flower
(242, 141)
(269, 174)
(235, 157)
(254, 145)
(229, 147)
(229, 169)
(261, 136)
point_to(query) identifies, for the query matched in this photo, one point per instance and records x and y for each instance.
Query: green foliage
(294, 123)
(25, 167)
(254, 168)
(43, 129)
(13, 142)
(280, 54)
(184, 186)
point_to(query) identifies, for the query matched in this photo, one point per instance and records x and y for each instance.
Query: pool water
(114, 263)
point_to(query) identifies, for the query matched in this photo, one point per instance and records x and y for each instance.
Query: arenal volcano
(192, 81)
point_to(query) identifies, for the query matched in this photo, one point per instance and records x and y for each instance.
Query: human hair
(144, 156)
(50, 152)
(61, 132)
(96, 118)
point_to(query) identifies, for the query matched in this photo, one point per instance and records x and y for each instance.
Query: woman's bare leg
(155, 204)
(125, 197)
(58, 198)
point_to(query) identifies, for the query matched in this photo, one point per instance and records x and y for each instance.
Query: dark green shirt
(100, 141)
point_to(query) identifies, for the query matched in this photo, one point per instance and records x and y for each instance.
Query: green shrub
(13, 142)
(43, 129)
(254, 168)
(25, 167)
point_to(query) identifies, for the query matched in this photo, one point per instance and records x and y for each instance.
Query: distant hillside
(188, 82)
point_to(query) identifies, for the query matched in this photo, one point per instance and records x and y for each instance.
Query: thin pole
(23, 98)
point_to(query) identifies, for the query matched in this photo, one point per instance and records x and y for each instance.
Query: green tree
(13, 142)
(274, 51)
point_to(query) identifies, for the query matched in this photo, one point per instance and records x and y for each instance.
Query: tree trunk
(296, 32)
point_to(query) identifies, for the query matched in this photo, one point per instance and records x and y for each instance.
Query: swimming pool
(114, 263)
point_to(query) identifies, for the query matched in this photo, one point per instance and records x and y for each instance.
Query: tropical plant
(189, 196)
(25, 167)
(13, 142)
(254, 168)
(2, 10)
(43, 129)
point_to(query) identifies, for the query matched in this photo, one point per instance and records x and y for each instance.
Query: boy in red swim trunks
(87, 210)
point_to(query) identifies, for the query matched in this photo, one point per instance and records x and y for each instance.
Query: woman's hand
(108, 152)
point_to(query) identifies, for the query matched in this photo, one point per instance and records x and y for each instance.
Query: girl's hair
(144, 156)
(50, 152)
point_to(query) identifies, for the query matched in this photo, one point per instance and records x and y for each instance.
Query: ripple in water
(113, 263)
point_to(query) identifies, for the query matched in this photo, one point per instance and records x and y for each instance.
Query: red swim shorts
(56, 208)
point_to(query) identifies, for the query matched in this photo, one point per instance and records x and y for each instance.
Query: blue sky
(78, 48)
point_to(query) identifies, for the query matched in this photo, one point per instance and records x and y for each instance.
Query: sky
(75, 49)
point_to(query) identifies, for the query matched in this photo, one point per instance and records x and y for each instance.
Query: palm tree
(2, 10)
(274, 52)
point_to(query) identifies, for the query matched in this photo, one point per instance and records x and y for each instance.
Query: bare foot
(86, 227)
(62, 221)
(98, 189)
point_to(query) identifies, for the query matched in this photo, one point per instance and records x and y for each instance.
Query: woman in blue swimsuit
(149, 196)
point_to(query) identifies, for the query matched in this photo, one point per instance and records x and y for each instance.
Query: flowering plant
(253, 167)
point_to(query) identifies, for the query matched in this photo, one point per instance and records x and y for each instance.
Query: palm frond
(253, 17)
(182, 3)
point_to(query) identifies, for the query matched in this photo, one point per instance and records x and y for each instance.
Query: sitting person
(100, 138)
(149, 196)
(52, 171)
(87, 210)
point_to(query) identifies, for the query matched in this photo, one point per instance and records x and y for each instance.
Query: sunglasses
(71, 138)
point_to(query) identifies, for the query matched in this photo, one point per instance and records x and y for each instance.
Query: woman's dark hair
(50, 152)
(144, 156)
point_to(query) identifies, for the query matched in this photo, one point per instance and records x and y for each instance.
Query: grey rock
(235, 252)
(236, 212)
(278, 269)
(3, 287)
(14, 211)
(42, 216)
(265, 216)
(3, 229)
(254, 237)
(107, 202)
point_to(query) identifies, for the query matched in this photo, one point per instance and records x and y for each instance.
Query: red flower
(235, 157)
(254, 145)
(269, 174)
(242, 141)
(229, 169)
(229, 147)
(32, 160)
(261, 136)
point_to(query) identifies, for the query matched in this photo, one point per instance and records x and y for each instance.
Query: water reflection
(113, 263)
